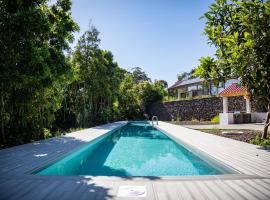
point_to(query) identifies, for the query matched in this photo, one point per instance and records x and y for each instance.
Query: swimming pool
(136, 149)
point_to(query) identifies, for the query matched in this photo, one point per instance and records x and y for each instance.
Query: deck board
(16, 163)
(247, 158)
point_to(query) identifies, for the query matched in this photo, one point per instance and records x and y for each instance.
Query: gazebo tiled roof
(234, 90)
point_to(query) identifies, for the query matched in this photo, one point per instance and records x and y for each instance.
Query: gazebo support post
(225, 117)
(225, 104)
(248, 104)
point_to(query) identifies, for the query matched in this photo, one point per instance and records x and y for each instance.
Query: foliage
(33, 67)
(47, 89)
(262, 142)
(172, 98)
(215, 119)
(240, 32)
(134, 97)
(186, 75)
(97, 77)
(194, 119)
(47, 133)
(182, 76)
(209, 70)
(129, 107)
(139, 75)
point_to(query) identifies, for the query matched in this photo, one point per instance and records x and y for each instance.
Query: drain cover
(131, 191)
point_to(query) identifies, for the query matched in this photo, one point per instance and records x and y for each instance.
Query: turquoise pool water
(136, 149)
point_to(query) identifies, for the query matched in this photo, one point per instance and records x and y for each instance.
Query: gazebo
(232, 91)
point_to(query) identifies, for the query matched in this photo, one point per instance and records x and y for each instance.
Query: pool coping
(203, 155)
(179, 134)
(62, 156)
(239, 175)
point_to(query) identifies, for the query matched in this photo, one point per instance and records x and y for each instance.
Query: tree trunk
(266, 123)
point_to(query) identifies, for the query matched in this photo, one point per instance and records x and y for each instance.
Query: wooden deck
(246, 158)
(16, 163)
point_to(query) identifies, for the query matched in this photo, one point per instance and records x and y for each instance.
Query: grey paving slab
(251, 126)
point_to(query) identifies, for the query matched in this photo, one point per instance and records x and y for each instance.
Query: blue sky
(163, 37)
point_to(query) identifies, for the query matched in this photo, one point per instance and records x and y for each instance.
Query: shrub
(262, 142)
(215, 130)
(47, 133)
(215, 119)
(194, 119)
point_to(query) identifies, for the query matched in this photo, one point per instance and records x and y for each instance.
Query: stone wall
(201, 109)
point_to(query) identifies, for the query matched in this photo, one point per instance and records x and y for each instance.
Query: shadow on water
(143, 130)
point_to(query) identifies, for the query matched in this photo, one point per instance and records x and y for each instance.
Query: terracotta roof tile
(234, 90)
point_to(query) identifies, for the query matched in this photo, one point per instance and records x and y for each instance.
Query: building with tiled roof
(189, 88)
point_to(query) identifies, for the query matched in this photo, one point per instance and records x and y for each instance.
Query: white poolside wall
(227, 118)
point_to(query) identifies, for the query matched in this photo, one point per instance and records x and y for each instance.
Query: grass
(249, 136)
(246, 136)
(192, 122)
(171, 99)
(216, 130)
(262, 142)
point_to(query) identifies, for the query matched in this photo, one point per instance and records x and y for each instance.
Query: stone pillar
(225, 104)
(248, 104)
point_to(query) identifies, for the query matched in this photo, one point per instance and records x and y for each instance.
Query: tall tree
(98, 80)
(33, 66)
(239, 29)
(186, 75)
(134, 97)
(129, 107)
(139, 75)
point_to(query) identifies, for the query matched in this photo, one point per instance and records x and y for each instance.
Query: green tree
(162, 83)
(33, 67)
(186, 75)
(96, 87)
(148, 93)
(209, 70)
(129, 107)
(160, 86)
(239, 29)
(139, 75)
(135, 98)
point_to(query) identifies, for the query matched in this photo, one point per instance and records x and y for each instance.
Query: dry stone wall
(200, 109)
